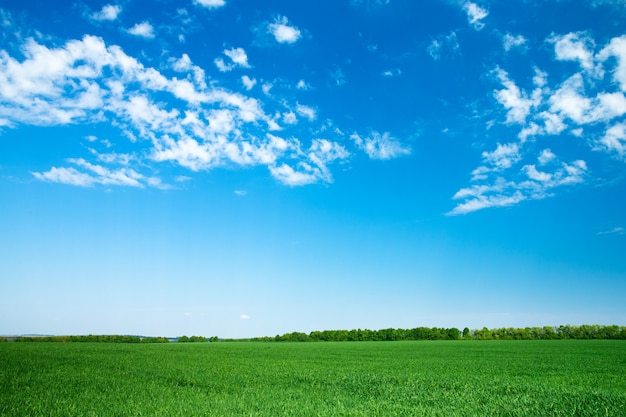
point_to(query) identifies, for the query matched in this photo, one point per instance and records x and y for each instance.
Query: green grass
(451, 378)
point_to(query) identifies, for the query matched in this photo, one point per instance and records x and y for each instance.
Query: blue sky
(239, 168)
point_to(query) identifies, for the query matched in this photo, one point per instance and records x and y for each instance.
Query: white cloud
(238, 58)
(244, 317)
(617, 48)
(240, 193)
(614, 140)
(283, 32)
(475, 15)
(222, 66)
(210, 4)
(108, 12)
(306, 111)
(379, 146)
(143, 29)
(518, 103)
(290, 118)
(248, 82)
(183, 64)
(503, 157)
(533, 174)
(546, 157)
(287, 175)
(576, 47)
(303, 85)
(510, 41)
(571, 101)
(396, 72)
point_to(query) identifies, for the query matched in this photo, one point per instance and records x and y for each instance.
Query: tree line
(436, 333)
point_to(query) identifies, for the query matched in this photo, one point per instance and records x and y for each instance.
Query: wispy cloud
(86, 174)
(306, 111)
(381, 146)
(530, 184)
(283, 32)
(614, 231)
(475, 15)
(444, 44)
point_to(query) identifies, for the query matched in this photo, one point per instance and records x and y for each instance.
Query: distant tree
(183, 339)
(213, 339)
(453, 333)
(196, 339)
(466, 333)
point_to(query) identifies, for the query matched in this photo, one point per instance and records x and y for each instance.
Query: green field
(430, 378)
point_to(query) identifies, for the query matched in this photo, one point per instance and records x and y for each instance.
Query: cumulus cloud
(108, 12)
(143, 30)
(283, 32)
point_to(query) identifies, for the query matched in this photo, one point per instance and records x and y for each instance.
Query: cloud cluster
(175, 119)
(589, 104)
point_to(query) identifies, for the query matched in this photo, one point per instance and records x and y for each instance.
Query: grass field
(447, 378)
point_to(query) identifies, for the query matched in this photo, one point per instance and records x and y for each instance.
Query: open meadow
(423, 378)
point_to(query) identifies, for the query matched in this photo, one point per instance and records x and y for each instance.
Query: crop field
(429, 378)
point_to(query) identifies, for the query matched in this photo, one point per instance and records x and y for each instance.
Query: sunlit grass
(447, 378)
